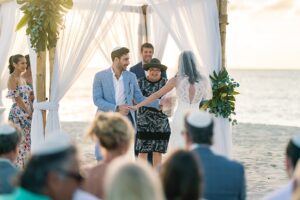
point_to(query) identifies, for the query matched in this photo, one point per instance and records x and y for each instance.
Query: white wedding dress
(222, 133)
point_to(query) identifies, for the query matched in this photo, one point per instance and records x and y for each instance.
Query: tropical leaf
(23, 21)
(44, 21)
(223, 100)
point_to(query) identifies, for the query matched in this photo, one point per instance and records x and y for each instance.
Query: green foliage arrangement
(223, 100)
(44, 19)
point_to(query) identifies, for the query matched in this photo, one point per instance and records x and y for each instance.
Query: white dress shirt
(119, 89)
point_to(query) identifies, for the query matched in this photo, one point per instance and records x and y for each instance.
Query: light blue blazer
(104, 91)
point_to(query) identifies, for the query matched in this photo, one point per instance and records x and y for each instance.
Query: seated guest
(129, 180)
(51, 173)
(114, 132)
(181, 176)
(9, 140)
(292, 156)
(223, 179)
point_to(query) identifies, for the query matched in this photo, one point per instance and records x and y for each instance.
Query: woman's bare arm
(12, 85)
(164, 90)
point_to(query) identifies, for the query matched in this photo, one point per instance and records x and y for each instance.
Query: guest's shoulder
(235, 165)
(97, 170)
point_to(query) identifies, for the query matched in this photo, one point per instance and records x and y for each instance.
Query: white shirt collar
(195, 146)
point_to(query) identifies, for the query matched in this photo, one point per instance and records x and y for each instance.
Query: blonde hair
(112, 130)
(128, 180)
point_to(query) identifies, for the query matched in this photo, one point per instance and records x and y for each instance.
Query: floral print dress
(21, 119)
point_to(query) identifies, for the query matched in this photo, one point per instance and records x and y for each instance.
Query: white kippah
(54, 143)
(116, 49)
(199, 119)
(296, 140)
(6, 129)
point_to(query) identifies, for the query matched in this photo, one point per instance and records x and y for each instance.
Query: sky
(263, 34)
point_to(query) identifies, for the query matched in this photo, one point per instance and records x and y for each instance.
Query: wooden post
(223, 22)
(51, 63)
(144, 7)
(40, 80)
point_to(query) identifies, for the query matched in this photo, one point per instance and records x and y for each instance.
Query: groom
(115, 89)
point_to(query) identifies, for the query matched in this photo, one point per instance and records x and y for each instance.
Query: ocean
(266, 97)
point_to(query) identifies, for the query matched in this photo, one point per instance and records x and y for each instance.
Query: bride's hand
(133, 107)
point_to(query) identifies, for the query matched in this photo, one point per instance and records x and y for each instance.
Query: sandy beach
(259, 147)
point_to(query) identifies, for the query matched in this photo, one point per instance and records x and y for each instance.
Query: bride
(192, 86)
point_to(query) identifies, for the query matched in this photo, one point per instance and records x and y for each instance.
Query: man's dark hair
(34, 177)
(293, 152)
(9, 142)
(201, 135)
(147, 45)
(119, 53)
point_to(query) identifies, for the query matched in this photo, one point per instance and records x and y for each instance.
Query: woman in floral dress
(20, 112)
(153, 129)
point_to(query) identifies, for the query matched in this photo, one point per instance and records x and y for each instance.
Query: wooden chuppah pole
(223, 22)
(41, 80)
(144, 7)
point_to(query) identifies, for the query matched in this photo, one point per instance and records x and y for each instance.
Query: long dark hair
(28, 61)
(14, 59)
(181, 176)
(188, 66)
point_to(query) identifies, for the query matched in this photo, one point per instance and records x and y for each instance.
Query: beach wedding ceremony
(149, 99)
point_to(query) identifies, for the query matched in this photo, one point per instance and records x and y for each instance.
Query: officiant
(153, 128)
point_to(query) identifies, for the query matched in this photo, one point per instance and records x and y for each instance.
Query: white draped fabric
(194, 25)
(157, 33)
(11, 42)
(127, 30)
(74, 50)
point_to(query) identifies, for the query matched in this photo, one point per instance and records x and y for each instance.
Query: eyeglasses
(74, 175)
(154, 69)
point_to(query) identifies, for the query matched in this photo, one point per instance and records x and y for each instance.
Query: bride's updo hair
(112, 130)
(188, 66)
(14, 59)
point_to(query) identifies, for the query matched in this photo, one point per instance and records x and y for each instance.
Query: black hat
(155, 63)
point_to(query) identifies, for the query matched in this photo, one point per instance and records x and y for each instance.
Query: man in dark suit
(223, 179)
(9, 140)
(147, 51)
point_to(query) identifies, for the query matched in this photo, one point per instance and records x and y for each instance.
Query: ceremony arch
(97, 24)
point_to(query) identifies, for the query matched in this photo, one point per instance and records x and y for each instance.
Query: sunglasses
(74, 175)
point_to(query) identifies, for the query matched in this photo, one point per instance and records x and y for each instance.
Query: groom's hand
(123, 109)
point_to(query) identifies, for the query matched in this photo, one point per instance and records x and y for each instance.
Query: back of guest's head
(14, 60)
(293, 150)
(147, 45)
(10, 137)
(112, 130)
(28, 61)
(118, 52)
(129, 180)
(53, 168)
(181, 176)
(187, 66)
(199, 127)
